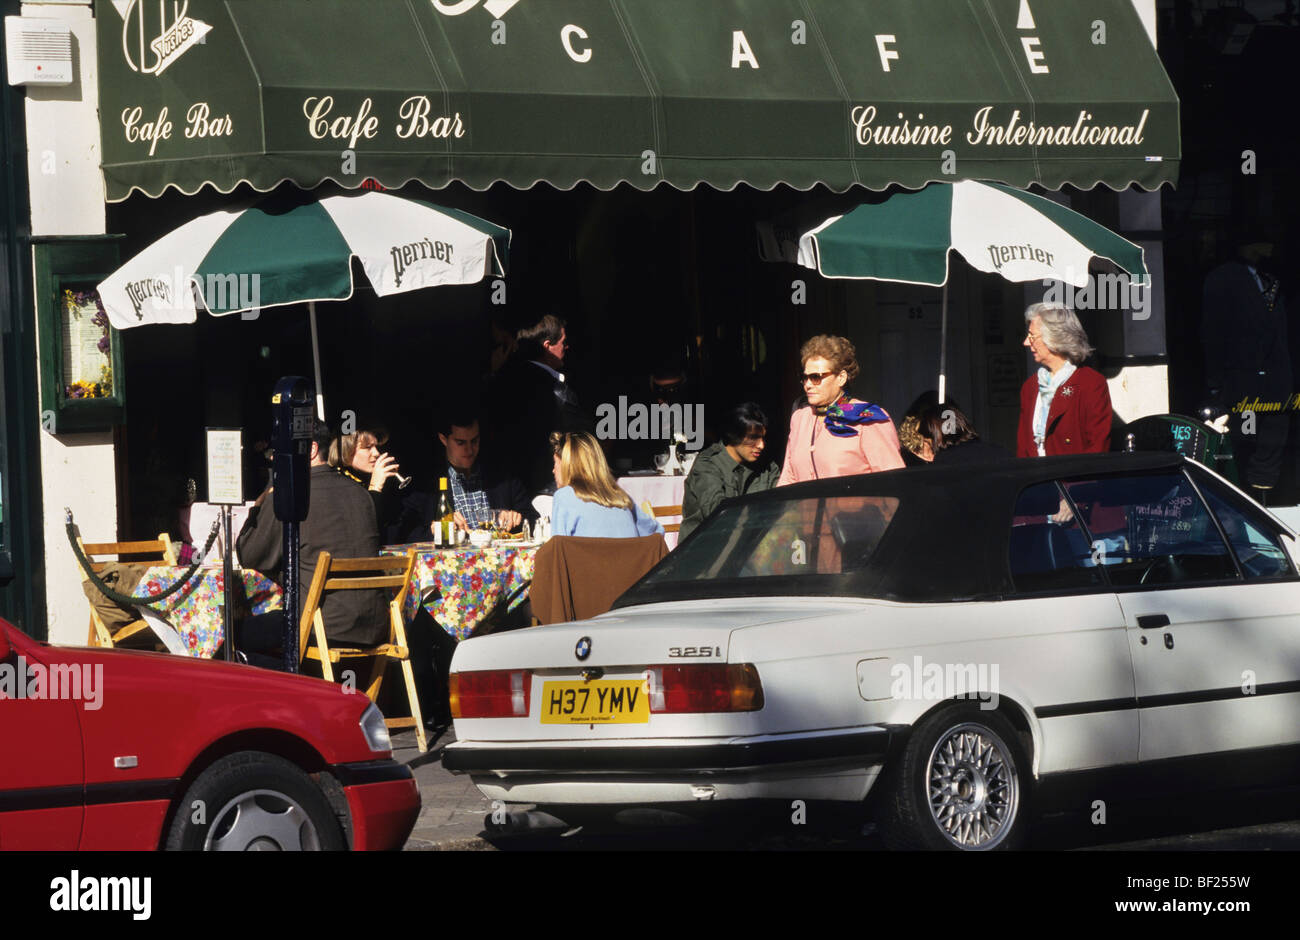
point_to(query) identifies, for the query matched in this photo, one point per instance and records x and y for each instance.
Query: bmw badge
(583, 649)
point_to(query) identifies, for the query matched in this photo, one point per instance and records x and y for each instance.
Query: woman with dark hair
(358, 457)
(836, 435)
(947, 437)
(733, 467)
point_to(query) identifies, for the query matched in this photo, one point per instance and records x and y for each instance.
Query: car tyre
(960, 784)
(253, 801)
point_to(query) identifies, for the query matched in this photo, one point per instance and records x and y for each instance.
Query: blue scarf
(842, 420)
(1047, 388)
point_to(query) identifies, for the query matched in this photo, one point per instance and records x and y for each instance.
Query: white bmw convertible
(952, 647)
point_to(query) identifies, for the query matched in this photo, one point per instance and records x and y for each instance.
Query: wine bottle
(445, 527)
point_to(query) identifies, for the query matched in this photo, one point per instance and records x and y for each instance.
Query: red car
(114, 749)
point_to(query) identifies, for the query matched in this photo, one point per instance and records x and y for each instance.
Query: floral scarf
(843, 417)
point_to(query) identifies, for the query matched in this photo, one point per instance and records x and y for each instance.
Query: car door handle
(1150, 621)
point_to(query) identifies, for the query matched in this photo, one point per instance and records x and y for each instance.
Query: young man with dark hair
(732, 467)
(479, 491)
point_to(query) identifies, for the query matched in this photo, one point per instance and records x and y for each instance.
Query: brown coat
(576, 577)
(340, 520)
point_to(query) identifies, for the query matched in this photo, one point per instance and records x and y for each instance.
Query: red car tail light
(705, 687)
(498, 693)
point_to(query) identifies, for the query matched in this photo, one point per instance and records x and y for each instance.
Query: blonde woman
(589, 502)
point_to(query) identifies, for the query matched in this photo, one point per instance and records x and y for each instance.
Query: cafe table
(195, 610)
(460, 586)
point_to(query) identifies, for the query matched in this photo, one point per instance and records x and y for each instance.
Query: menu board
(225, 466)
(87, 371)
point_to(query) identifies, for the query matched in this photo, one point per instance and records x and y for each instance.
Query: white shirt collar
(542, 365)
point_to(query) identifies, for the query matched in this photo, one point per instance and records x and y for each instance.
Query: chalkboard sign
(1189, 437)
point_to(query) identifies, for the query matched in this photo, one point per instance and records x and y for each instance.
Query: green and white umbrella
(236, 261)
(997, 229)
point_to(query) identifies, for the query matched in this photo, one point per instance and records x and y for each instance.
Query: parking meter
(292, 410)
(292, 413)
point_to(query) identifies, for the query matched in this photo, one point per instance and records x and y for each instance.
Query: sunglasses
(816, 377)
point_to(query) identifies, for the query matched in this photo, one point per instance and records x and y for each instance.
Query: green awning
(837, 92)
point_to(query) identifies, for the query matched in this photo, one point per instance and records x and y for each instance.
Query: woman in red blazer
(1065, 406)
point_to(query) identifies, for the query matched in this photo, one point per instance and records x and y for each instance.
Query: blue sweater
(573, 516)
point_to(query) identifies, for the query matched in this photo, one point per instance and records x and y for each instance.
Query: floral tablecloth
(460, 586)
(195, 611)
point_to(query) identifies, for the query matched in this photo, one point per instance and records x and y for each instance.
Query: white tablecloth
(202, 515)
(657, 491)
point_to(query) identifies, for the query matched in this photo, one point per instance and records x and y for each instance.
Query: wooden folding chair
(160, 550)
(364, 574)
(663, 512)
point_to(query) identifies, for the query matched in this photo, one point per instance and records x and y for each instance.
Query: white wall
(1139, 391)
(67, 198)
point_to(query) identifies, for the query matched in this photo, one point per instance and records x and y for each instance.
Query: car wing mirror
(6, 648)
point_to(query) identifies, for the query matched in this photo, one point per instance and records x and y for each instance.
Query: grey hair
(1062, 332)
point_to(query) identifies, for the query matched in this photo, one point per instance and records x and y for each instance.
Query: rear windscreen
(810, 536)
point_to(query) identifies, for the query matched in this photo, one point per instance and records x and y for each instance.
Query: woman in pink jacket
(835, 435)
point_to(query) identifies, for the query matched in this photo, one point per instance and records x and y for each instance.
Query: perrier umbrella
(997, 229)
(240, 260)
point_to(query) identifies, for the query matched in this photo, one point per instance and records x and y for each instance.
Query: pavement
(452, 809)
(453, 813)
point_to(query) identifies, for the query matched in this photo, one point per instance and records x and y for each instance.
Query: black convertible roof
(947, 542)
(1013, 473)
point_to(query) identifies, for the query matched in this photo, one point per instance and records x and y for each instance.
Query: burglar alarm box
(38, 51)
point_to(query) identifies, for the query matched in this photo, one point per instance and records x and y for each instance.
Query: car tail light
(705, 687)
(498, 693)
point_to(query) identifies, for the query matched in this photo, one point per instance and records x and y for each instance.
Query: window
(1049, 550)
(1151, 530)
(774, 538)
(1259, 554)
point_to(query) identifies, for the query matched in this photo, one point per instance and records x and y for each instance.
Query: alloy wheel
(972, 787)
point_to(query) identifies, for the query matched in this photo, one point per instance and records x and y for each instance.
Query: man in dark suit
(1247, 363)
(340, 520)
(530, 398)
(479, 491)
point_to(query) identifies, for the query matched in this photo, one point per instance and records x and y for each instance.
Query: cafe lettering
(198, 123)
(326, 119)
(872, 93)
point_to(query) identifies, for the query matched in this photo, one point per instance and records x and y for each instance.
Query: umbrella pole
(315, 360)
(943, 345)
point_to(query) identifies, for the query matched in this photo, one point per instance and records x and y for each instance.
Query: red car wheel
(254, 802)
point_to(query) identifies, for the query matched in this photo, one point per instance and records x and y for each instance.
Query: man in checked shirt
(479, 492)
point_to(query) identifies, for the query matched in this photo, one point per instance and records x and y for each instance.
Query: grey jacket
(714, 477)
